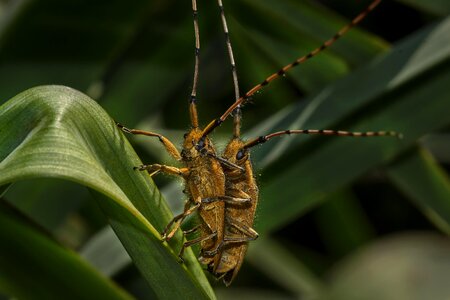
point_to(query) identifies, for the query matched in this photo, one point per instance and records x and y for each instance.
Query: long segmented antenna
(265, 138)
(193, 100)
(217, 122)
(237, 110)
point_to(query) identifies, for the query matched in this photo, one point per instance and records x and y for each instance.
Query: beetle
(202, 173)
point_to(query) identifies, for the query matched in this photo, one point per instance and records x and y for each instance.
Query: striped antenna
(237, 110)
(193, 100)
(217, 122)
(265, 138)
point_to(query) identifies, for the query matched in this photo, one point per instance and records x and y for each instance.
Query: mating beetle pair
(222, 188)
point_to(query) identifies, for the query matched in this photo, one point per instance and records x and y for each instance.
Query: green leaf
(419, 177)
(40, 200)
(267, 255)
(315, 167)
(155, 76)
(42, 40)
(309, 21)
(342, 223)
(105, 252)
(4, 189)
(439, 145)
(55, 131)
(32, 266)
(289, 29)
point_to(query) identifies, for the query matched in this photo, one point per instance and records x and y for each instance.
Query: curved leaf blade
(55, 131)
(420, 178)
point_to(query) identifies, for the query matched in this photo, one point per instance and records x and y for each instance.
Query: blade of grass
(42, 40)
(342, 224)
(423, 181)
(388, 93)
(267, 255)
(105, 252)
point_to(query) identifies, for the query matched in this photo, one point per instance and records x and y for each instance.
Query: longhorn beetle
(202, 172)
(241, 184)
(227, 210)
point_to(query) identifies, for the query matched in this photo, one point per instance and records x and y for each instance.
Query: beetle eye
(200, 145)
(240, 155)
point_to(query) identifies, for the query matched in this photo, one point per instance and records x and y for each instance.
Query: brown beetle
(202, 172)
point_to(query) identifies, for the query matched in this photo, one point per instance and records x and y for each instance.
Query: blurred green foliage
(328, 205)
